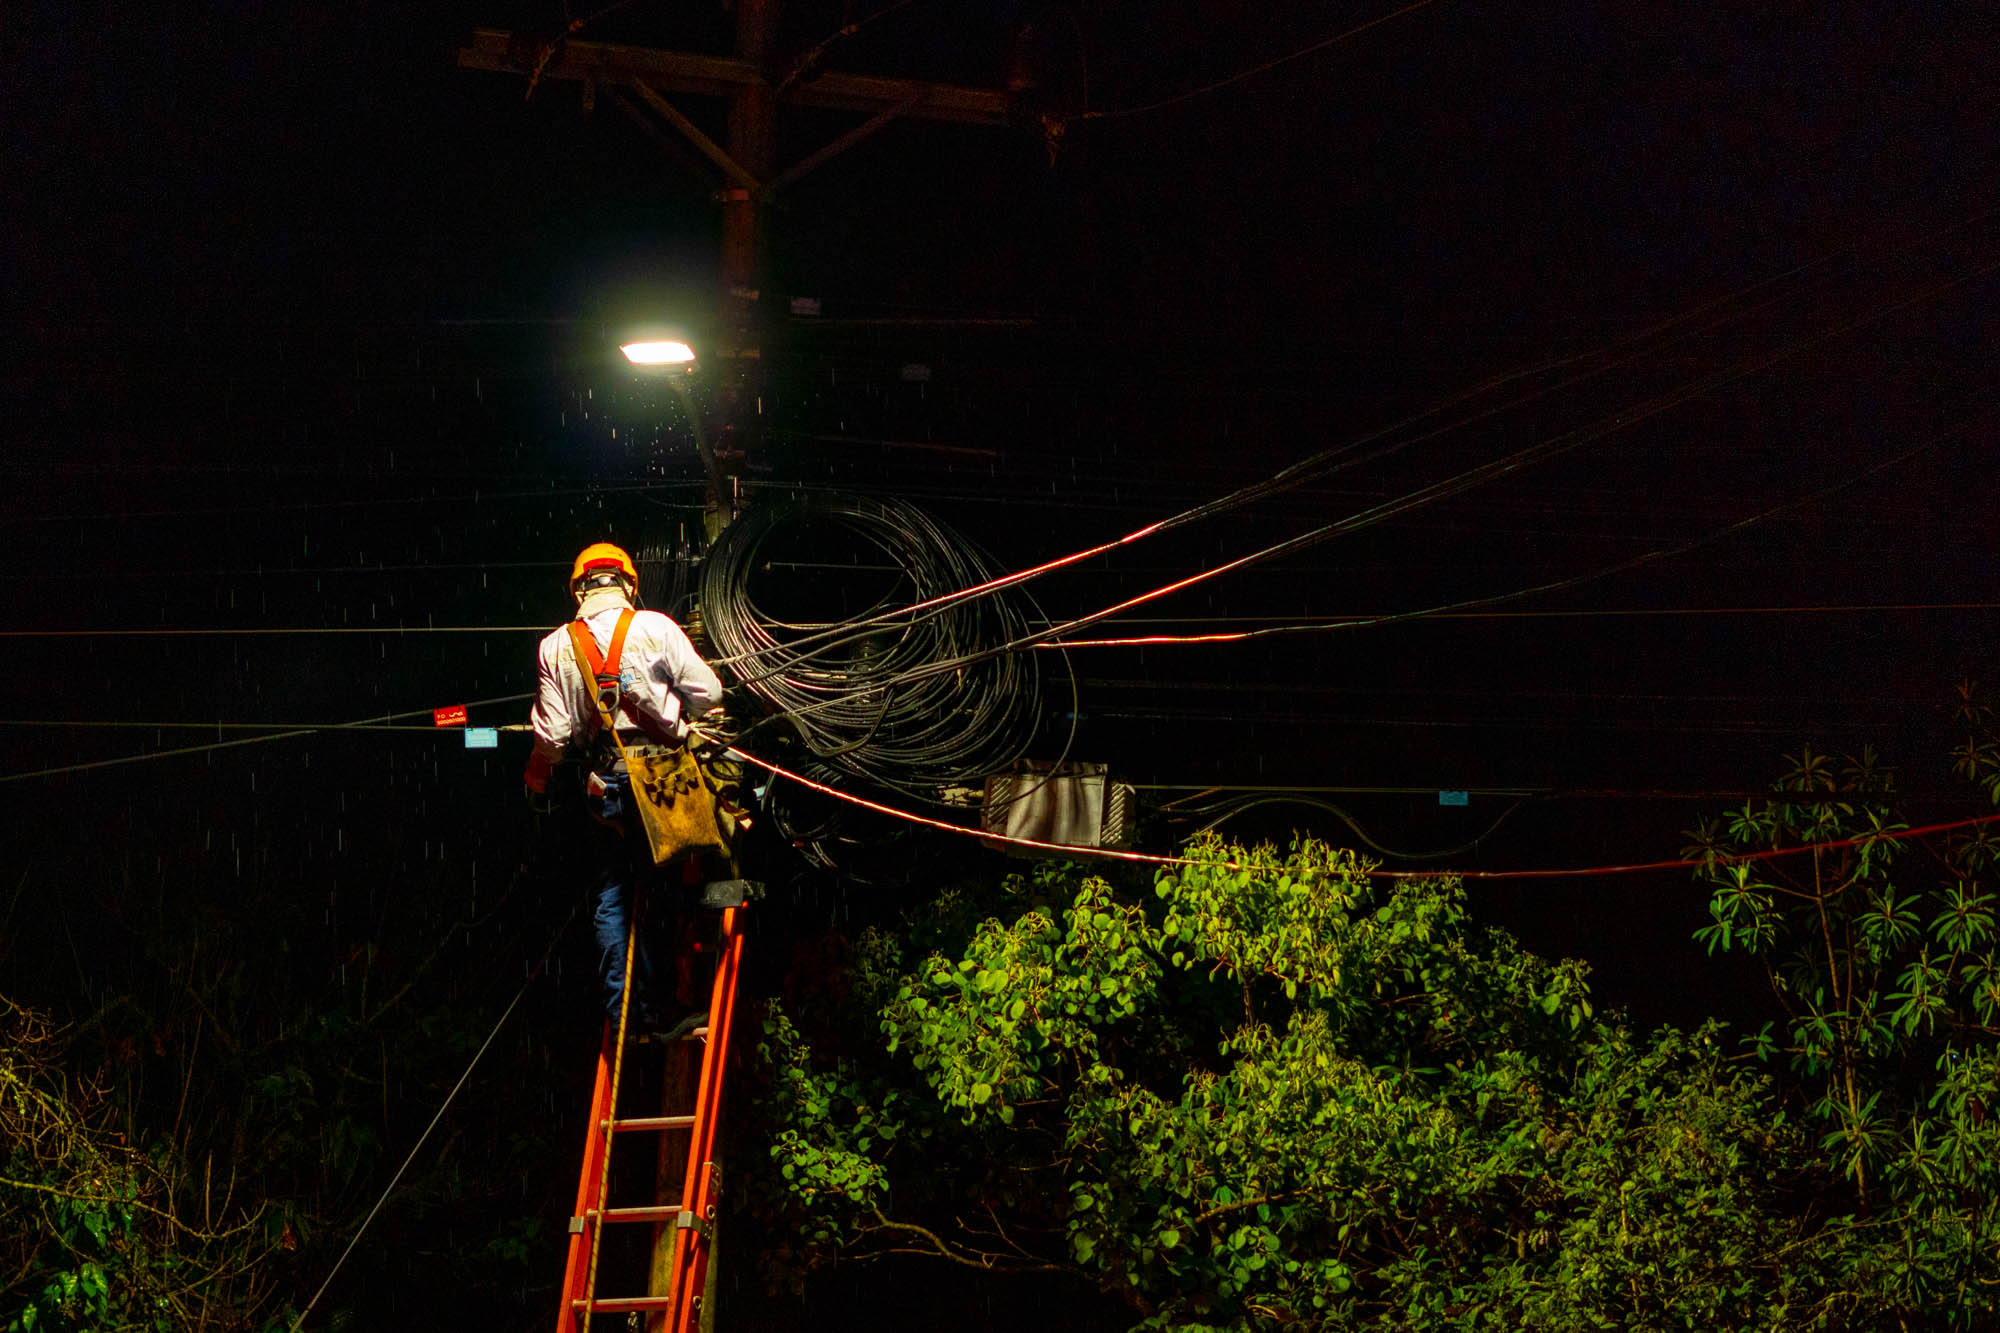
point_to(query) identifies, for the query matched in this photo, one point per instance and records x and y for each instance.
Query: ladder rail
(634, 925)
(692, 1215)
(596, 1146)
(690, 1256)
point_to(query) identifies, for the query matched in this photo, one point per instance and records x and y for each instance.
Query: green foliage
(95, 1234)
(1885, 968)
(1272, 1094)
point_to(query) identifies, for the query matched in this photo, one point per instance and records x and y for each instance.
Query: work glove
(535, 783)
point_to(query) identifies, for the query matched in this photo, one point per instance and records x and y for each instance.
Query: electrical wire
(269, 571)
(1555, 585)
(1292, 623)
(1234, 808)
(247, 740)
(1288, 477)
(1485, 473)
(1146, 858)
(1633, 345)
(1193, 93)
(1199, 789)
(807, 64)
(1196, 790)
(443, 1106)
(255, 631)
(422, 1139)
(1576, 613)
(476, 497)
(296, 728)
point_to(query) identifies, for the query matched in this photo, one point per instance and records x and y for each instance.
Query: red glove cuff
(536, 775)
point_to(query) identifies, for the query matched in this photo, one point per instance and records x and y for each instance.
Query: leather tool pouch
(676, 805)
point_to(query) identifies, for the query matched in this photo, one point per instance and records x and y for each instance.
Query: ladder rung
(667, 1213)
(649, 1122)
(625, 1304)
(656, 1038)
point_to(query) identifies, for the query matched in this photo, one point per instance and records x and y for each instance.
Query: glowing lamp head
(666, 352)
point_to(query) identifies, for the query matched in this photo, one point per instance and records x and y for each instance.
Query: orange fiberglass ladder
(691, 1215)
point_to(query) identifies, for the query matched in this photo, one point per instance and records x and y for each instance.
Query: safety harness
(603, 667)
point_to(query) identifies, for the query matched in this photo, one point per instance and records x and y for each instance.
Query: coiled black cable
(869, 709)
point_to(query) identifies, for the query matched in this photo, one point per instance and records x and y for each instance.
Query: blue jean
(624, 869)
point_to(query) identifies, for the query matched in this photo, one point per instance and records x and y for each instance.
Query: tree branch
(939, 1249)
(1223, 1210)
(131, 1203)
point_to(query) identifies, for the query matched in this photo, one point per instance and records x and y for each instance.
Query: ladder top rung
(661, 1213)
(625, 1304)
(649, 1122)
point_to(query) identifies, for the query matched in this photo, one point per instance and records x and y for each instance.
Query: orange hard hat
(602, 555)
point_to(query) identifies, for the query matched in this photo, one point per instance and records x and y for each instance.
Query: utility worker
(652, 683)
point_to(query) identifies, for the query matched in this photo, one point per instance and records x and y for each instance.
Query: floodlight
(666, 352)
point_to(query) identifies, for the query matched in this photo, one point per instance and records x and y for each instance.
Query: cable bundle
(871, 701)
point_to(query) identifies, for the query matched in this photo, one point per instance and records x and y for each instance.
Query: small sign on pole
(1454, 798)
(482, 738)
(454, 716)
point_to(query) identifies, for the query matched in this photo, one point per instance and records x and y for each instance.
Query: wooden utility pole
(752, 131)
(754, 89)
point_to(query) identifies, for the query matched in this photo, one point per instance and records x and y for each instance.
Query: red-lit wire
(1554, 585)
(1147, 858)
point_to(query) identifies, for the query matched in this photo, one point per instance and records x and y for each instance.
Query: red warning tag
(453, 716)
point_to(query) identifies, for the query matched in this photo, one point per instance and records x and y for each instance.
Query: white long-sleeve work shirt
(668, 685)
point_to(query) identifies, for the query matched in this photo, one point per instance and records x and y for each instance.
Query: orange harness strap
(603, 668)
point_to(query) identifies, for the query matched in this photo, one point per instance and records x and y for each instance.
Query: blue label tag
(488, 738)
(1444, 797)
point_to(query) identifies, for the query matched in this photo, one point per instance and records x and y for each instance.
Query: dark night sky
(283, 290)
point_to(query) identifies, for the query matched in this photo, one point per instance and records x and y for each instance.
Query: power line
(1198, 789)
(443, 1106)
(1252, 73)
(1244, 805)
(1146, 858)
(1582, 613)
(1302, 470)
(1238, 718)
(385, 631)
(1538, 453)
(297, 506)
(246, 740)
(1556, 585)
(1291, 623)
(1206, 788)
(1428, 692)
(422, 1139)
(296, 728)
(268, 571)
(1298, 472)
